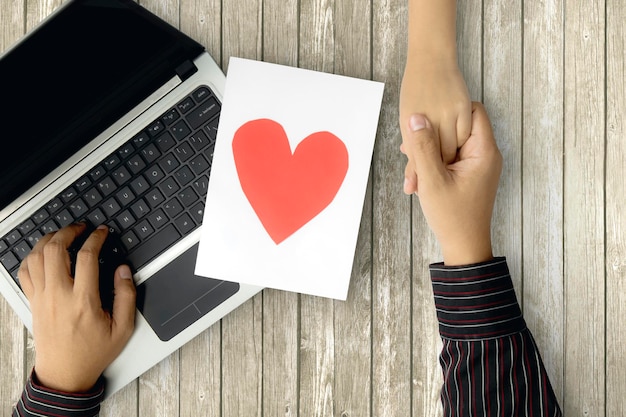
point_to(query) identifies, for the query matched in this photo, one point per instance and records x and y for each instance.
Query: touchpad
(174, 298)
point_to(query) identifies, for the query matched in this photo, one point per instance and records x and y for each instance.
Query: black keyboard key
(154, 174)
(173, 208)
(27, 227)
(186, 105)
(211, 129)
(187, 197)
(199, 165)
(49, 227)
(169, 187)
(13, 237)
(184, 176)
(197, 212)
(154, 197)
(143, 230)
(9, 261)
(201, 185)
(139, 185)
(184, 151)
(140, 208)
(82, 184)
(165, 142)
(121, 175)
(150, 153)
(22, 250)
(159, 241)
(106, 186)
(180, 130)
(125, 220)
(97, 172)
(126, 150)
(64, 218)
(40, 216)
(135, 164)
(199, 140)
(155, 128)
(34, 237)
(170, 117)
(55, 205)
(169, 163)
(203, 113)
(125, 196)
(111, 162)
(158, 219)
(96, 217)
(78, 208)
(3, 245)
(92, 197)
(201, 94)
(185, 224)
(140, 140)
(129, 240)
(110, 207)
(68, 195)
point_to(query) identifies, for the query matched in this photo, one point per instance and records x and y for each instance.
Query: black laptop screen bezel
(72, 78)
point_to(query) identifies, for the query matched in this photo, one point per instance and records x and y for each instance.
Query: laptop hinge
(186, 70)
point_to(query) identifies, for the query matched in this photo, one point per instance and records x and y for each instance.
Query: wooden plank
(242, 330)
(201, 358)
(317, 354)
(163, 377)
(281, 337)
(584, 246)
(542, 167)
(615, 198)
(37, 10)
(352, 318)
(391, 225)
(502, 88)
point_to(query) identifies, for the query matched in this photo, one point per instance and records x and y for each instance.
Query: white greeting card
(288, 179)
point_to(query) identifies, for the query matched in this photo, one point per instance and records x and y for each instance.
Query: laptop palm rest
(175, 297)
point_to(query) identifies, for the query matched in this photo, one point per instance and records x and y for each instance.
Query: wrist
(474, 252)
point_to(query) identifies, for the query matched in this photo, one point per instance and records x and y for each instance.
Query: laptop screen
(75, 76)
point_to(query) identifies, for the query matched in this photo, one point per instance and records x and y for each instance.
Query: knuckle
(53, 249)
(87, 254)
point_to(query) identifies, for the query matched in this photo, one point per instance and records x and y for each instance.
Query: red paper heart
(287, 190)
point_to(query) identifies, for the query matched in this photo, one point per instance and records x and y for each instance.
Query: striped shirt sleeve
(37, 400)
(491, 365)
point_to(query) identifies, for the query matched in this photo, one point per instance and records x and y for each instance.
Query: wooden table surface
(551, 74)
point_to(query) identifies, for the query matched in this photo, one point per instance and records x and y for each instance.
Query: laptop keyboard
(150, 191)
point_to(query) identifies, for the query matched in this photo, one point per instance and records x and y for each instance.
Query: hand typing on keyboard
(75, 339)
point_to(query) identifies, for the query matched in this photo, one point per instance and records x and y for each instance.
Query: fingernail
(125, 272)
(103, 227)
(417, 122)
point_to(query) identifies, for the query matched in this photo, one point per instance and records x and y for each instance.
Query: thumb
(123, 314)
(424, 149)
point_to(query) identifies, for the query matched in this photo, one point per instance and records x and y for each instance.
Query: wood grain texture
(502, 90)
(584, 247)
(615, 215)
(317, 343)
(281, 309)
(12, 334)
(542, 168)
(391, 225)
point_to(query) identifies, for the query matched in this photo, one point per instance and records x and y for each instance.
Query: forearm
(490, 362)
(37, 400)
(432, 31)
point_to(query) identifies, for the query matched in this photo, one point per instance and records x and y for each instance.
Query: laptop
(112, 117)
